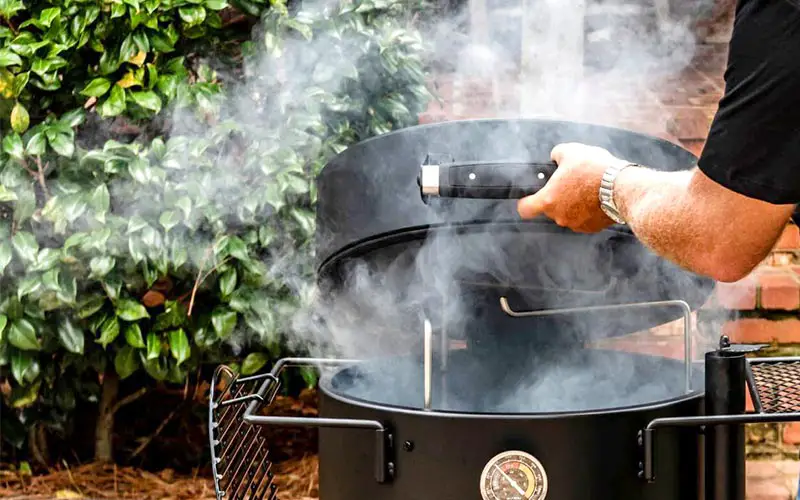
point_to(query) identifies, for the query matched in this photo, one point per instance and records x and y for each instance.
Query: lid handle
(484, 179)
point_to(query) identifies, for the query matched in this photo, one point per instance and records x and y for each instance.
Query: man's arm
(683, 216)
(698, 224)
(723, 217)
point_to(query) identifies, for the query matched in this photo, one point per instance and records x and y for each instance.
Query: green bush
(156, 194)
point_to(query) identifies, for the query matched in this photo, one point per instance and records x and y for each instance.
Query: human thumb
(534, 205)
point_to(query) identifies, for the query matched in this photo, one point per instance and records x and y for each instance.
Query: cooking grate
(239, 455)
(774, 384)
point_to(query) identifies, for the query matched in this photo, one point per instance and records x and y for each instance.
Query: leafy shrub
(156, 205)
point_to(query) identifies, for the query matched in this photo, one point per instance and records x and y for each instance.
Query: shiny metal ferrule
(429, 179)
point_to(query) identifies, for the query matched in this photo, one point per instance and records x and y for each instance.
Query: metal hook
(687, 321)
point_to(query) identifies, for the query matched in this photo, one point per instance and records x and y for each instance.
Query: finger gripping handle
(489, 180)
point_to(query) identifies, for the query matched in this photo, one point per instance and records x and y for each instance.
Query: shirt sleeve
(753, 146)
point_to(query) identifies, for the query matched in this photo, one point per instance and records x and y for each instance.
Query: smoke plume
(566, 60)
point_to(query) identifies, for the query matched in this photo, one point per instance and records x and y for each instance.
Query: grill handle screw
(408, 446)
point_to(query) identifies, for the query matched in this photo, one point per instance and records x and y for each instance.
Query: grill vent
(240, 458)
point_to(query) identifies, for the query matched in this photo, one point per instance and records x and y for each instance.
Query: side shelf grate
(774, 384)
(239, 454)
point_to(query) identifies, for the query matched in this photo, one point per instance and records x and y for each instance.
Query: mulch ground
(297, 479)
(294, 450)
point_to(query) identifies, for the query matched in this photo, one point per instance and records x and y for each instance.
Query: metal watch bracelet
(606, 194)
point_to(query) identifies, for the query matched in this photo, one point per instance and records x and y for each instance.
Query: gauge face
(513, 475)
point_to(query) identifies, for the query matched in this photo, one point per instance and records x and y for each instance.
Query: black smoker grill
(474, 375)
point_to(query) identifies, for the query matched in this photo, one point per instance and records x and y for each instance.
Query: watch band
(607, 203)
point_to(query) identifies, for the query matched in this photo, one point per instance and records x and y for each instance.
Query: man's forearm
(688, 219)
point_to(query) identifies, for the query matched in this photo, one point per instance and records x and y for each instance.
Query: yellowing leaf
(129, 80)
(20, 120)
(138, 59)
(6, 83)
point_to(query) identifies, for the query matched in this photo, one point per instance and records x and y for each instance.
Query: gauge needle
(513, 483)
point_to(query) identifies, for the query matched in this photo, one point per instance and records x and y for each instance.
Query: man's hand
(571, 196)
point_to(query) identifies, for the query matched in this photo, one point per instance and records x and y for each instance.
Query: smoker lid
(370, 215)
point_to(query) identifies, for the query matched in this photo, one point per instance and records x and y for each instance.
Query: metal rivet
(472, 176)
(408, 446)
(541, 175)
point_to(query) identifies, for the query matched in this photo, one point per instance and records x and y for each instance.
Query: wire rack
(240, 458)
(774, 384)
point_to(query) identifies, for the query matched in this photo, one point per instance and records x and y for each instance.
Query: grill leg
(725, 444)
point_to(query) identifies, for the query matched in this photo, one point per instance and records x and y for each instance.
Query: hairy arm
(698, 224)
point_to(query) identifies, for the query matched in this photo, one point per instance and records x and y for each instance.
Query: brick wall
(764, 309)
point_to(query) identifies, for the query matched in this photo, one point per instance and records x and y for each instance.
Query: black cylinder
(725, 444)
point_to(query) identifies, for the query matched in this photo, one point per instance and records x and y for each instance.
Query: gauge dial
(513, 475)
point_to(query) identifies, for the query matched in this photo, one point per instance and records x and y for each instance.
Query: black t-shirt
(753, 147)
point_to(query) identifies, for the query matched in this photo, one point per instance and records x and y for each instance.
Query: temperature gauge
(513, 475)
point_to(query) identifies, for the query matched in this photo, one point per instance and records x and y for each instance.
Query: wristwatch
(607, 203)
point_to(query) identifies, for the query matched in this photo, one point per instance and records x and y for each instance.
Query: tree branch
(130, 398)
(202, 277)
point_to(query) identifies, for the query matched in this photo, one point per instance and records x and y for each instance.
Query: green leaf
(3, 323)
(153, 346)
(21, 361)
(133, 336)
(227, 282)
(109, 331)
(8, 58)
(20, 81)
(114, 105)
(179, 345)
(47, 16)
(126, 362)
(26, 246)
(5, 255)
(173, 316)
(309, 376)
(12, 145)
(238, 249)
(6, 195)
(96, 88)
(147, 99)
(192, 15)
(20, 120)
(131, 310)
(224, 322)
(101, 266)
(90, 305)
(22, 335)
(169, 219)
(216, 4)
(63, 144)
(100, 202)
(254, 362)
(73, 118)
(71, 336)
(28, 285)
(36, 144)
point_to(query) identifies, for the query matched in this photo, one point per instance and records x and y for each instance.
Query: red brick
(790, 239)
(758, 330)
(791, 433)
(779, 290)
(740, 295)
